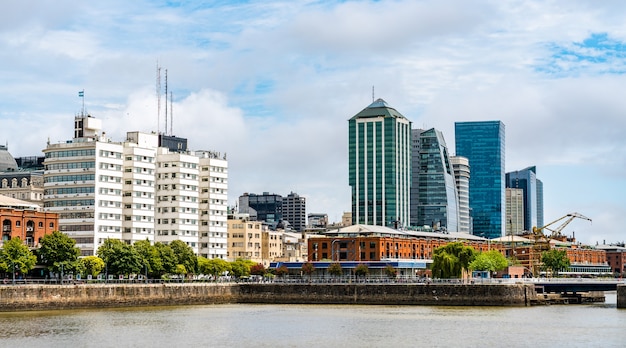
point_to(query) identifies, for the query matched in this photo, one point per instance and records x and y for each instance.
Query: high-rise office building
(540, 222)
(514, 211)
(294, 211)
(434, 198)
(379, 151)
(482, 143)
(526, 180)
(461, 168)
(265, 207)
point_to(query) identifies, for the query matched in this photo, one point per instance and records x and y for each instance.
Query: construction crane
(542, 241)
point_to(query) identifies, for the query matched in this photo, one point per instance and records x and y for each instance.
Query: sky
(272, 84)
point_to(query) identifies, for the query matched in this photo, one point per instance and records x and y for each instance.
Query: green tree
(151, 259)
(15, 256)
(241, 268)
(555, 260)
(450, 260)
(361, 270)
(181, 270)
(58, 249)
(213, 267)
(90, 265)
(335, 269)
(120, 258)
(168, 260)
(185, 256)
(491, 261)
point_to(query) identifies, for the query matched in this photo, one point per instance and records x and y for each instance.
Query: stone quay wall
(391, 294)
(43, 297)
(621, 296)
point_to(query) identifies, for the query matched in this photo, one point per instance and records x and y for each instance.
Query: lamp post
(61, 273)
(13, 272)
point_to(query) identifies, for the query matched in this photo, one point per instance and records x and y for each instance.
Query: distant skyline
(272, 85)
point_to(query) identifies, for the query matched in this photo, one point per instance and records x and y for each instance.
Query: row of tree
(58, 254)
(451, 260)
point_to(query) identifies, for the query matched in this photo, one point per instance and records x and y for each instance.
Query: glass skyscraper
(434, 198)
(526, 179)
(482, 143)
(379, 151)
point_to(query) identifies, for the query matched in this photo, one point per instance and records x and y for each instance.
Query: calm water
(597, 325)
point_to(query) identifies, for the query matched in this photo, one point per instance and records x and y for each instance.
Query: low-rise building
(26, 221)
(616, 258)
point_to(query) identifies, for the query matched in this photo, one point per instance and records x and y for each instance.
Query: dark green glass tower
(380, 166)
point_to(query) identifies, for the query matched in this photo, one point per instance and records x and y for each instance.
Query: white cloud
(272, 84)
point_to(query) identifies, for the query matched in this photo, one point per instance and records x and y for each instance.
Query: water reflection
(326, 326)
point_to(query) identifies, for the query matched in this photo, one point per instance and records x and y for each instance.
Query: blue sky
(273, 83)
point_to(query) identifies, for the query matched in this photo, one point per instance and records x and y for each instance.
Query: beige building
(346, 219)
(245, 239)
(514, 211)
(272, 247)
(294, 247)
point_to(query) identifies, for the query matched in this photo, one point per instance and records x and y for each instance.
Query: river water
(241, 325)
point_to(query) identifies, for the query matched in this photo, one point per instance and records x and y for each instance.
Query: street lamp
(13, 272)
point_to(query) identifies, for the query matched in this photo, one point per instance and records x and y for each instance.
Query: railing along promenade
(325, 280)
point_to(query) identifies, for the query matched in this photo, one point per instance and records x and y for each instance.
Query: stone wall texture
(41, 297)
(621, 296)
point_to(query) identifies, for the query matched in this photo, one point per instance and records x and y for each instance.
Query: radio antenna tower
(171, 113)
(158, 95)
(166, 102)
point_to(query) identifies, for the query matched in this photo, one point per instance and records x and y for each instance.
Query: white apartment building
(177, 198)
(213, 205)
(139, 187)
(134, 190)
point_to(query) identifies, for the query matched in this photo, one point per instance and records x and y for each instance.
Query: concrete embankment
(621, 296)
(41, 297)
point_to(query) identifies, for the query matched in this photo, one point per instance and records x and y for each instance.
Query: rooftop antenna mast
(171, 113)
(372, 94)
(166, 101)
(158, 94)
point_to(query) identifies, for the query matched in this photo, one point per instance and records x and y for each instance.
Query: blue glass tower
(483, 144)
(526, 179)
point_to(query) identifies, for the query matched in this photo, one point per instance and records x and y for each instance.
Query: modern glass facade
(434, 199)
(266, 207)
(482, 143)
(526, 179)
(379, 151)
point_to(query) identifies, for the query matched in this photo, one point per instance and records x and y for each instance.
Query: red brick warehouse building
(26, 221)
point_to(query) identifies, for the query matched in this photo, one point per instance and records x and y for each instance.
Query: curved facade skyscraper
(434, 198)
(379, 151)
